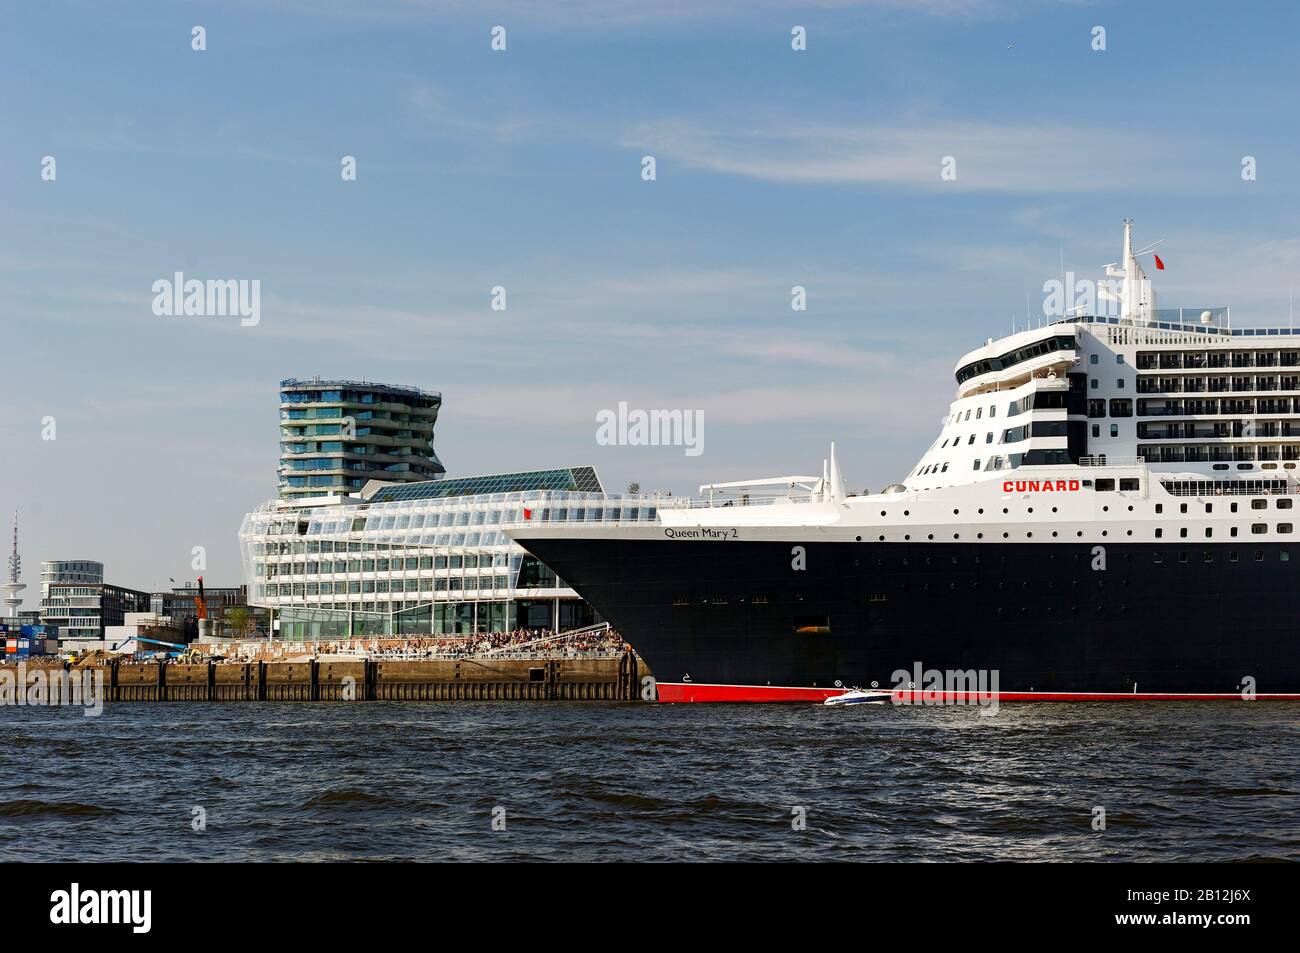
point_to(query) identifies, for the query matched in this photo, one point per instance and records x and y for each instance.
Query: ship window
(1233, 531)
(1159, 533)
(1121, 407)
(1093, 383)
(1096, 430)
(1259, 529)
(1114, 430)
(1182, 507)
(1092, 358)
(1232, 507)
(945, 468)
(1284, 527)
(1259, 555)
(977, 464)
(1232, 556)
(1119, 382)
(1209, 507)
(1096, 408)
(1284, 504)
(1258, 504)
(1104, 486)
(1160, 507)
(1119, 358)
(1182, 533)
(967, 417)
(1182, 557)
(1157, 557)
(971, 440)
(979, 412)
(1207, 556)
(1208, 533)
(1129, 483)
(993, 410)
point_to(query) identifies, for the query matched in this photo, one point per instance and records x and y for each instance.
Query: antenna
(15, 561)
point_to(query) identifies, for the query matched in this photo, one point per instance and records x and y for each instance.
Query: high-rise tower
(335, 435)
(12, 600)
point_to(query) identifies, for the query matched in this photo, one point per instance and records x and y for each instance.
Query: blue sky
(522, 169)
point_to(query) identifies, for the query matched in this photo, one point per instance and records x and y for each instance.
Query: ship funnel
(835, 492)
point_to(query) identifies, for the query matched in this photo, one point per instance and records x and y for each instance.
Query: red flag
(1160, 265)
(528, 514)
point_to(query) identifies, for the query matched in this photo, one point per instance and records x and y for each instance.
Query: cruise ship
(1106, 513)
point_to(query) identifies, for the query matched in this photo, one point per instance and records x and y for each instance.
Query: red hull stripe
(677, 692)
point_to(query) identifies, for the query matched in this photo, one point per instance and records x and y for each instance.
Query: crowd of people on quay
(517, 643)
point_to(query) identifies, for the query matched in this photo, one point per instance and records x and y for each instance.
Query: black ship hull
(736, 621)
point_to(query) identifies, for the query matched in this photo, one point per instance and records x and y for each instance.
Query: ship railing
(1109, 460)
(1204, 488)
(689, 503)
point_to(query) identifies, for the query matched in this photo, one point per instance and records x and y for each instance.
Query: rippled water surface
(391, 781)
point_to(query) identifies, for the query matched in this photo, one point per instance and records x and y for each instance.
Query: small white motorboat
(859, 696)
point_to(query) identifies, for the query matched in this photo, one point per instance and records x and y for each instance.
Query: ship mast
(1137, 299)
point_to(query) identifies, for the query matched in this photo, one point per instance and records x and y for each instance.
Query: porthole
(882, 512)
(859, 539)
(979, 535)
(1031, 509)
(1005, 535)
(1079, 533)
(1103, 532)
(907, 512)
(882, 539)
(907, 536)
(931, 536)
(1053, 532)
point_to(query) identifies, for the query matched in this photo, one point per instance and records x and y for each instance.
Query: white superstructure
(1137, 425)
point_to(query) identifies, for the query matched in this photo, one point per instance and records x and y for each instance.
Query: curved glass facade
(426, 565)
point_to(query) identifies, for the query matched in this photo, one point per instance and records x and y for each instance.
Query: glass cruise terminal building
(411, 559)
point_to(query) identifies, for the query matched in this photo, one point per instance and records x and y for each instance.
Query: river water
(552, 781)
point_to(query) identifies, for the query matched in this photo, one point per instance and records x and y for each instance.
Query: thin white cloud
(998, 156)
